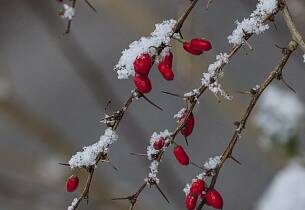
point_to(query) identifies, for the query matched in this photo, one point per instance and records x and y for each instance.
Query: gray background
(54, 89)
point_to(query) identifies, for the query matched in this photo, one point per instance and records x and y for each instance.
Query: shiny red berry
(189, 126)
(181, 155)
(168, 59)
(142, 83)
(191, 201)
(72, 183)
(158, 144)
(197, 187)
(214, 199)
(166, 72)
(201, 44)
(187, 47)
(142, 64)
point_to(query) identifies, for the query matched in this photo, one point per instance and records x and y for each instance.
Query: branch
(275, 74)
(295, 34)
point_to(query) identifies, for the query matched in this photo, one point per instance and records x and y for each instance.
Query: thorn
(151, 102)
(248, 44)
(278, 46)
(180, 33)
(234, 159)
(90, 5)
(243, 92)
(162, 193)
(173, 94)
(64, 164)
(196, 165)
(121, 198)
(287, 85)
(107, 105)
(186, 141)
(109, 162)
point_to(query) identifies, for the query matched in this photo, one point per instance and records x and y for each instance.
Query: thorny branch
(255, 93)
(191, 104)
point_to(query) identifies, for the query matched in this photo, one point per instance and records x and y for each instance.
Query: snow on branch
(161, 35)
(255, 23)
(88, 157)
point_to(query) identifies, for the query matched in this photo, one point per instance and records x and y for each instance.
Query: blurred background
(54, 89)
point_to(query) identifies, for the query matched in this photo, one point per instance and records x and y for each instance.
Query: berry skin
(197, 187)
(191, 201)
(187, 47)
(214, 199)
(142, 83)
(168, 60)
(142, 64)
(158, 145)
(181, 155)
(201, 44)
(189, 126)
(166, 72)
(72, 183)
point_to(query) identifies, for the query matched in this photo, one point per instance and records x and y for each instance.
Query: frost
(180, 114)
(289, 181)
(210, 78)
(68, 12)
(151, 152)
(88, 156)
(304, 58)
(74, 202)
(254, 24)
(279, 115)
(161, 35)
(212, 163)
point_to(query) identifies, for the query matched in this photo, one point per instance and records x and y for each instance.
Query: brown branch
(295, 33)
(275, 74)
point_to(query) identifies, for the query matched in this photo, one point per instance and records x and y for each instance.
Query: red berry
(214, 199)
(142, 64)
(191, 201)
(181, 155)
(168, 59)
(197, 187)
(142, 83)
(166, 72)
(201, 44)
(158, 145)
(187, 47)
(72, 183)
(189, 126)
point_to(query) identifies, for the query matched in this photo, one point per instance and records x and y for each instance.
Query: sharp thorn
(162, 193)
(234, 159)
(90, 5)
(287, 85)
(173, 94)
(64, 164)
(196, 165)
(138, 154)
(151, 102)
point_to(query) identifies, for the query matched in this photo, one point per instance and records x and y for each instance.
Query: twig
(242, 124)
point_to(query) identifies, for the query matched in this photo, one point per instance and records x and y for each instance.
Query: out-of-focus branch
(255, 93)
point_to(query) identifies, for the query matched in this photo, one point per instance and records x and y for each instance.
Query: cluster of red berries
(72, 183)
(142, 66)
(211, 196)
(197, 46)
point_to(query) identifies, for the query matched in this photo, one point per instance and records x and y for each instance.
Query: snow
(68, 12)
(279, 115)
(212, 163)
(210, 78)
(87, 157)
(286, 191)
(161, 35)
(151, 151)
(254, 24)
(74, 202)
(304, 58)
(180, 114)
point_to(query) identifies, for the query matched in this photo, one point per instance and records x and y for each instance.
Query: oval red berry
(166, 72)
(72, 183)
(142, 83)
(189, 125)
(187, 47)
(168, 59)
(142, 64)
(197, 187)
(158, 145)
(181, 155)
(201, 44)
(191, 201)
(214, 199)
